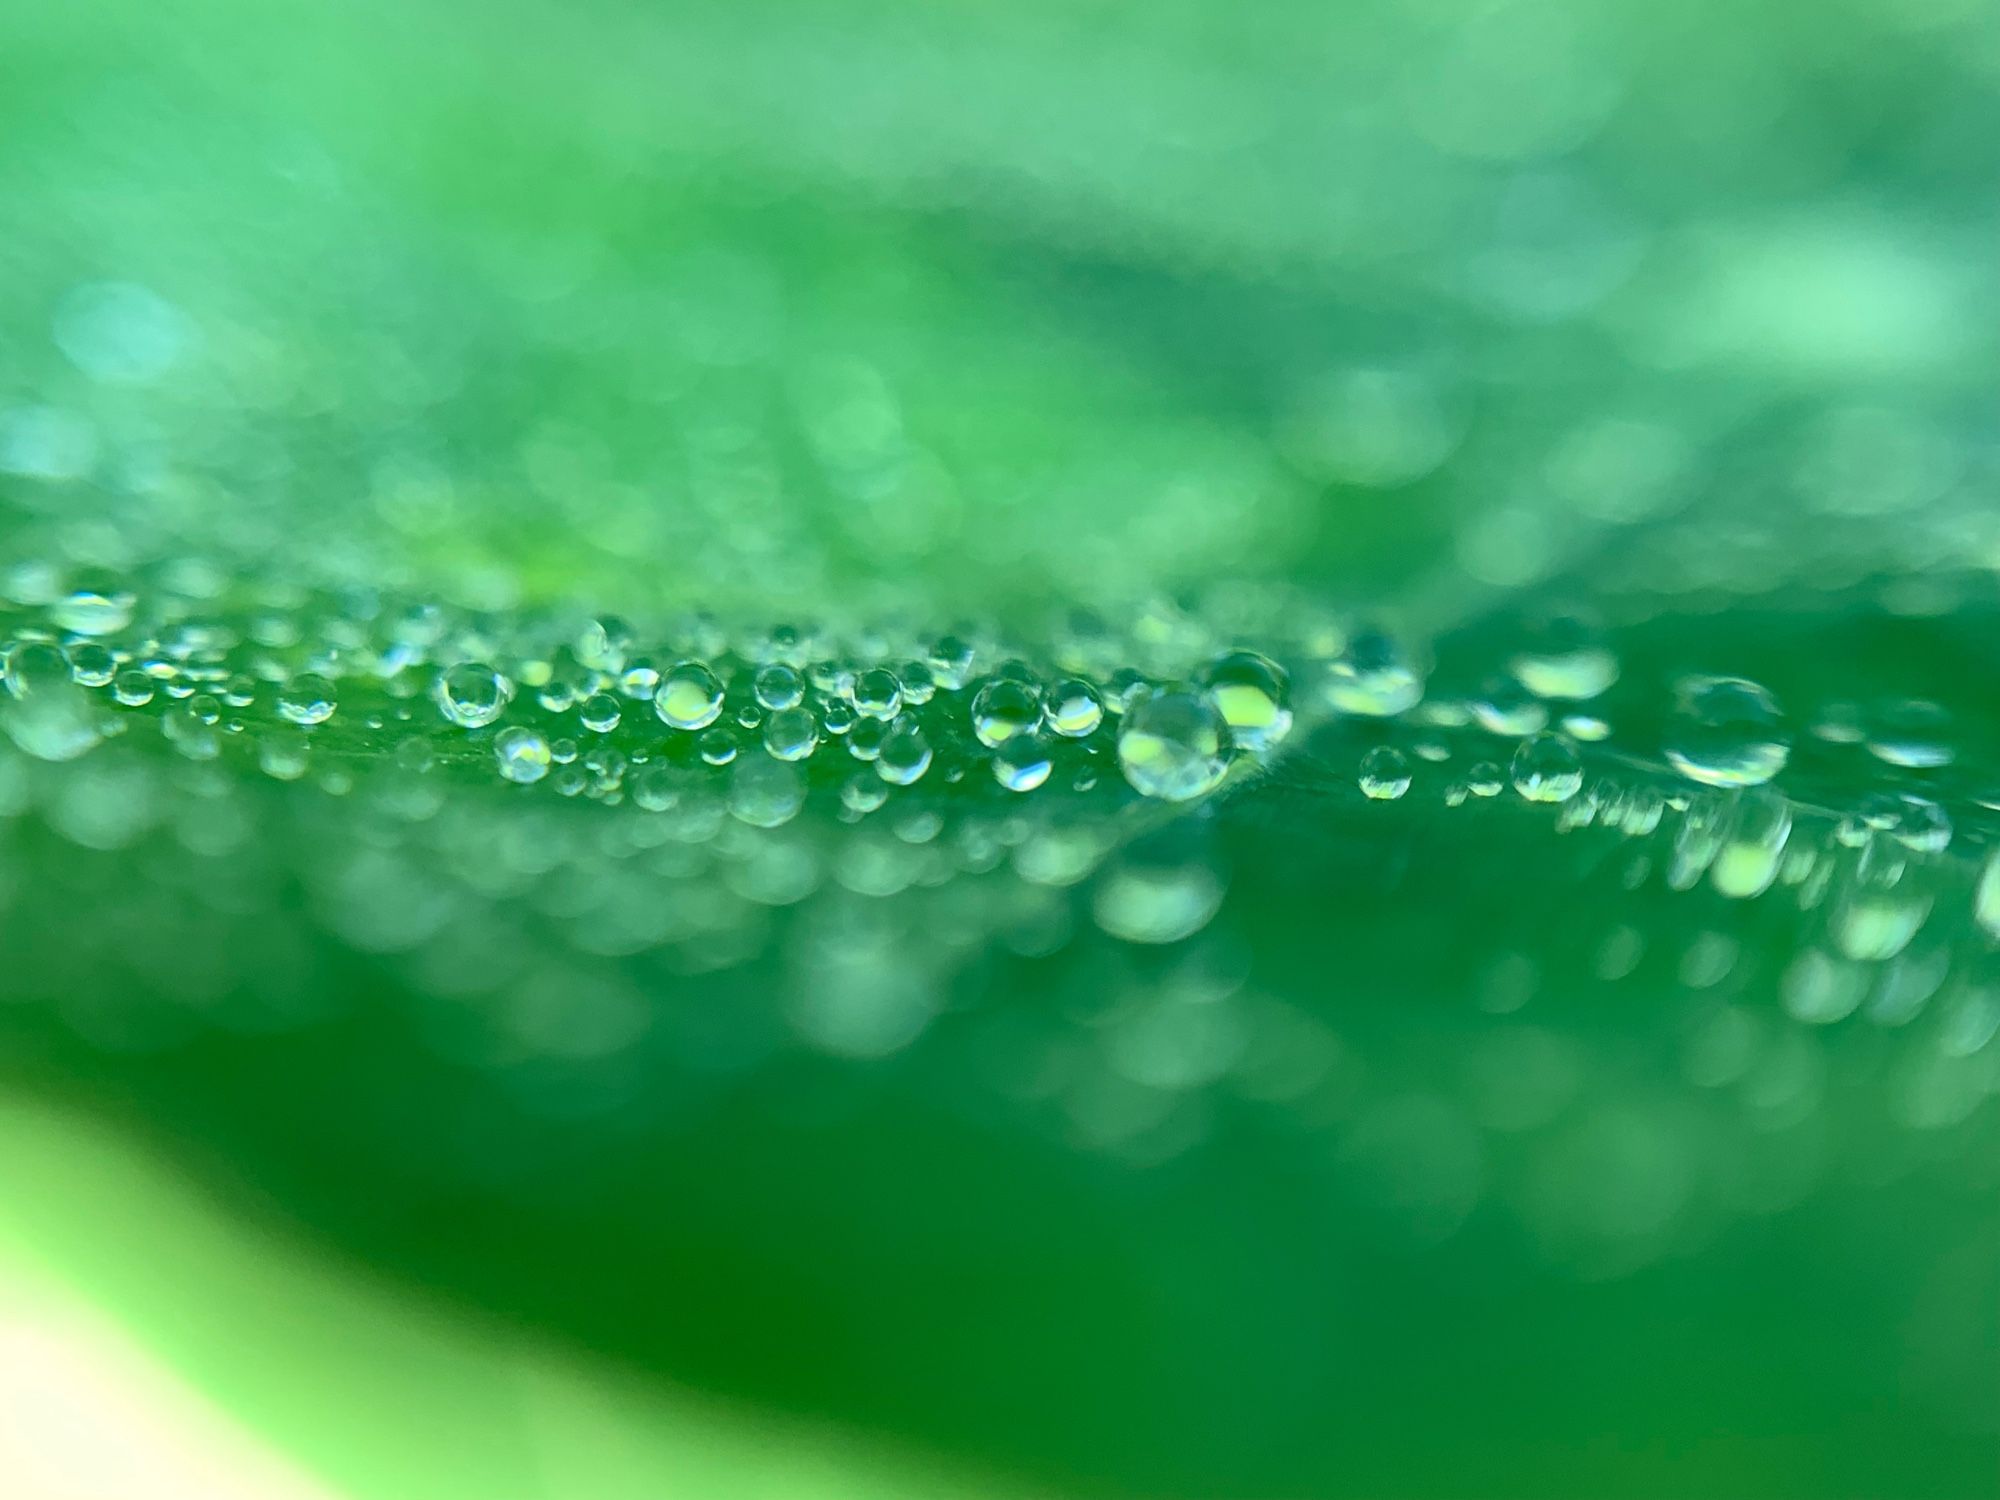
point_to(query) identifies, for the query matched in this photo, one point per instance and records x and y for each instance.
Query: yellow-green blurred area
(389, 1115)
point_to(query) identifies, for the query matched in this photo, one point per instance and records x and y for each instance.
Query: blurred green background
(402, 1138)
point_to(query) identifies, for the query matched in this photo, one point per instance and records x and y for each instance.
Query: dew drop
(864, 740)
(1506, 707)
(878, 694)
(791, 733)
(689, 697)
(951, 662)
(1914, 734)
(1173, 746)
(1565, 657)
(862, 793)
(283, 753)
(92, 665)
(778, 686)
(1022, 762)
(523, 755)
(1073, 708)
(471, 694)
(1546, 769)
(1004, 708)
(307, 699)
(765, 793)
(1374, 677)
(600, 713)
(1726, 732)
(1253, 695)
(905, 755)
(1385, 773)
(94, 612)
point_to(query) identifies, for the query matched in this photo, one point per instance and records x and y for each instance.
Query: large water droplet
(307, 699)
(1073, 708)
(1546, 769)
(904, 755)
(792, 734)
(523, 755)
(1253, 695)
(471, 694)
(1726, 732)
(1022, 762)
(1173, 746)
(1004, 708)
(689, 696)
(1374, 677)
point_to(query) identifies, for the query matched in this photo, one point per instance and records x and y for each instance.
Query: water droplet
(1173, 746)
(1913, 733)
(283, 753)
(49, 716)
(905, 755)
(1485, 780)
(656, 790)
(1022, 762)
(1921, 825)
(1374, 677)
(1253, 695)
(1726, 732)
(186, 732)
(307, 699)
(689, 697)
(864, 740)
(778, 686)
(791, 733)
(766, 793)
(1758, 827)
(600, 713)
(862, 793)
(878, 693)
(94, 612)
(1143, 901)
(951, 662)
(472, 695)
(717, 746)
(93, 665)
(1505, 707)
(523, 754)
(1385, 773)
(919, 685)
(1004, 708)
(1074, 709)
(1565, 657)
(1546, 769)
(1586, 728)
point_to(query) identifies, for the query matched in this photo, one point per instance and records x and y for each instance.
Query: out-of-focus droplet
(1727, 731)
(1173, 746)
(1546, 768)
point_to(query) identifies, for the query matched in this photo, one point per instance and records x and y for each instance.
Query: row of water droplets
(586, 708)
